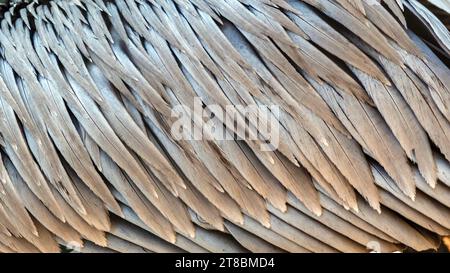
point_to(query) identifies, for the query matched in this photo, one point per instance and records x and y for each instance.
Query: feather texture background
(88, 159)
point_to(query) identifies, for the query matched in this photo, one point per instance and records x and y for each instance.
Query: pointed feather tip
(155, 194)
(172, 238)
(182, 184)
(74, 244)
(410, 192)
(413, 197)
(376, 207)
(103, 242)
(32, 227)
(191, 233)
(173, 190)
(432, 182)
(239, 220)
(81, 209)
(168, 235)
(446, 241)
(266, 223)
(351, 205)
(281, 207)
(35, 232)
(117, 210)
(59, 215)
(318, 211)
(219, 226)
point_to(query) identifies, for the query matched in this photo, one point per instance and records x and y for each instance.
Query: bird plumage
(89, 159)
